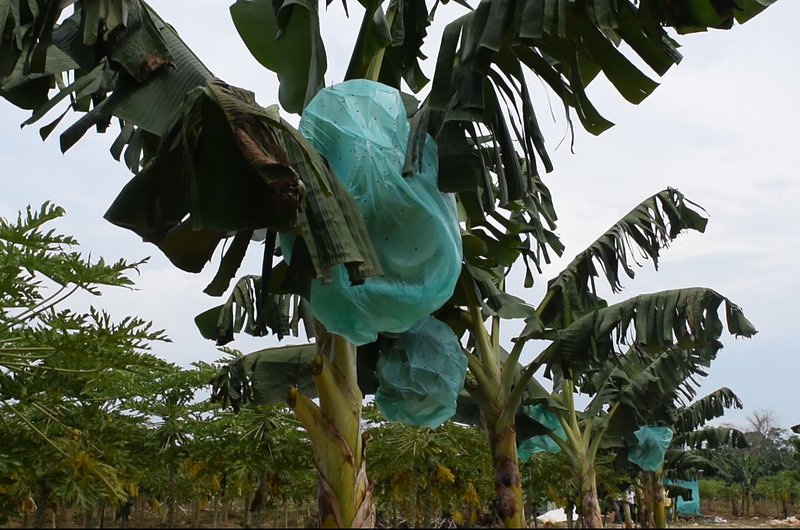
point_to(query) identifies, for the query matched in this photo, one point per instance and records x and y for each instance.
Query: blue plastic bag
(538, 444)
(361, 128)
(648, 454)
(421, 375)
(683, 506)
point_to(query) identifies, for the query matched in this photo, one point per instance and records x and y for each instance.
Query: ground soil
(302, 519)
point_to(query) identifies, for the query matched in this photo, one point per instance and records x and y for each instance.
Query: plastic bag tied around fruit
(538, 444)
(361, 128)
(648, 454)
(421, 374)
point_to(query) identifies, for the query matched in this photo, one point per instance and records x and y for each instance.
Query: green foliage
(548, 477)
(428, 470)
(61, 371)
(646, 230)
(298, 56)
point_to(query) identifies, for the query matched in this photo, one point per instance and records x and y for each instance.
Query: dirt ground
(302, 520)
(718, 521)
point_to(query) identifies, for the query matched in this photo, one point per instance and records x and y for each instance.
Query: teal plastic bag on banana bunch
(420, 375)
(361, 128)
(649, 453)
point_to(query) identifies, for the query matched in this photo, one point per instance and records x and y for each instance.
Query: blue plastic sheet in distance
(686, 507)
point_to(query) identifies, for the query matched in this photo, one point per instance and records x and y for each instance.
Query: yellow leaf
(215, 487)
(470, 496)
(443, 474)
(458, 517)
(133, 491)
(81, 461)
(400, 484)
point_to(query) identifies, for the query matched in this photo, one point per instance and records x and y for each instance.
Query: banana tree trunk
(507, 485)
(196, 513)
(427, 509)
(626, 508)
(344, 494)
(659, 511)
(590, 506)
(413, 520)
(646, 504)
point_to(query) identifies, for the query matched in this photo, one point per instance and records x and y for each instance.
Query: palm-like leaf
(705, 409)
(685, 465)
(711, 438)
(264, 377)
(224, 164)
(645, 230)
(479, 82)
(651, 391)
(246, 311)
(687, 318)
(646, 389)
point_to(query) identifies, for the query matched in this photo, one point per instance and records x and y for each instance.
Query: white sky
(720, 128)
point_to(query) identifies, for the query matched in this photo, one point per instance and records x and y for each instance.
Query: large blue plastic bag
(420, 377)
(683, 506)
(361, 128)
(648, 454)
(538, 444)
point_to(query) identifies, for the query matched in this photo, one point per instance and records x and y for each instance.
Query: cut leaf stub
(360, 127)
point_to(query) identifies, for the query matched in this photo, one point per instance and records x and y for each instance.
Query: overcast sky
(721, 128)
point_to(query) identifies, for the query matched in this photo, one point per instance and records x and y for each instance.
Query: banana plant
(618, 407)
(653, 391)
(585, 332)
(693, 444)
(210, 163)
(499, 385)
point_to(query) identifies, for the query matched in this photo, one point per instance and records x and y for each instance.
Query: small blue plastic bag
(421, 376)
(538, 444)
(361, 128)
(648, 454)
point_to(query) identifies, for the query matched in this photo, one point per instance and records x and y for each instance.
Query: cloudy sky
(721, 128)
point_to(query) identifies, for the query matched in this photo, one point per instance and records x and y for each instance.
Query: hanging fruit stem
(334, 427)
(659, 511)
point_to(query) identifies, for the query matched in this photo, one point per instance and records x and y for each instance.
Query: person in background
(631, 513)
